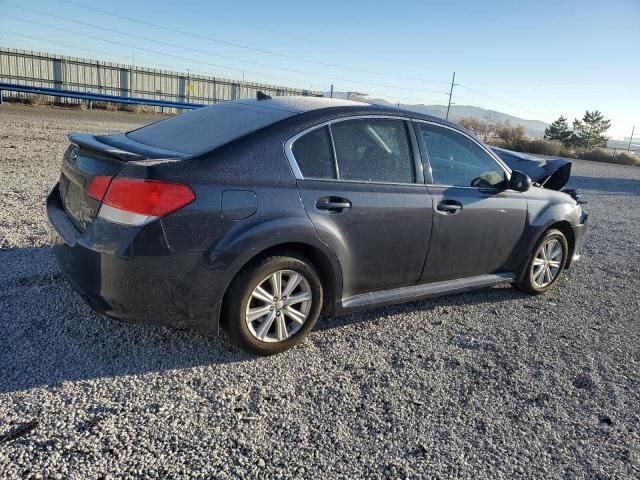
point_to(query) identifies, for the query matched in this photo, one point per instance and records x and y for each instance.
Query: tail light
(132, 201)
(98, 187)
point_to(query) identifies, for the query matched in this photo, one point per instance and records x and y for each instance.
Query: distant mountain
(534, 128)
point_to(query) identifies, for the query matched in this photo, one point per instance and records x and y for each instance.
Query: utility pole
(453, 84)
(633, 129)
(332, 90)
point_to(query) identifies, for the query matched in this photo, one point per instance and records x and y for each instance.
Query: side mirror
(520, 182)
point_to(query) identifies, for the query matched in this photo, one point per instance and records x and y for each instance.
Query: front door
(362, 189)
(477, 222)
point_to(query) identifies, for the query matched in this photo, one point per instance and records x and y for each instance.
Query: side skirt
(420, 292)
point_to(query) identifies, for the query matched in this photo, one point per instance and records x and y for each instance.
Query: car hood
(552, 173)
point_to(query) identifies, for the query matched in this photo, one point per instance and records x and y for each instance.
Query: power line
(178, 68)
(47, 41)
(413, 99)
(127, 59)
(164, 54)
(503, 102)
(473, 104)
(157, 52)
(41, 40)
(246, 47)
(321, 44)
(160, 42)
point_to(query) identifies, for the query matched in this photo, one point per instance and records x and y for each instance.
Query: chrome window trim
(288, 150)
(364, 182)
(297, 173)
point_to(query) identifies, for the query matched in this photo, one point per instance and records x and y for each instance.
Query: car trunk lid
(89, 156)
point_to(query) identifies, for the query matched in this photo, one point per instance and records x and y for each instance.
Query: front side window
(456, 160)
(373, 150)
(313, 154)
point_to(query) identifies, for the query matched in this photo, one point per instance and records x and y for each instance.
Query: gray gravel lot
(492, 383)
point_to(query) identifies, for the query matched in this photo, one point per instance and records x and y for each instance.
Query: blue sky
(533, 59)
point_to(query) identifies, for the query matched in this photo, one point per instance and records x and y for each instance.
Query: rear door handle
(333, 204)
(449, 207)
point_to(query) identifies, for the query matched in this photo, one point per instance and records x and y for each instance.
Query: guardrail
(95, 97)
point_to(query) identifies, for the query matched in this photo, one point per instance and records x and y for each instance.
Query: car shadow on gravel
(605, 185)
(48, 335)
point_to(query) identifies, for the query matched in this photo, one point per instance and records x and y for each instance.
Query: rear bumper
(131, 274)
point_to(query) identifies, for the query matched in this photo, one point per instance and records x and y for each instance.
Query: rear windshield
(203, 129)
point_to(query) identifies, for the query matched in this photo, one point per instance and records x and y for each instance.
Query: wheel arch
(328, 268)
(565, 227)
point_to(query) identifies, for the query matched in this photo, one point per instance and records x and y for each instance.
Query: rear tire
(546, 264)
(273, 304)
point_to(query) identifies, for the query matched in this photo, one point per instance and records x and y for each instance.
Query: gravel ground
(492, 383)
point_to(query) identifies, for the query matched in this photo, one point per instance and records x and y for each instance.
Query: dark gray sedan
(261, 215)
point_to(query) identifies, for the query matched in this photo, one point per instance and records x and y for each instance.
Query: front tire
(547, 263)
(273, 304)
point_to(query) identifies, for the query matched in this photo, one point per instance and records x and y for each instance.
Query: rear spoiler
(122, 147)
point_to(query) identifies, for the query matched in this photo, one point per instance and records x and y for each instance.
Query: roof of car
(297, 104)
(191, 132)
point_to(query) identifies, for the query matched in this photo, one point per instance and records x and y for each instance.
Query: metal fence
(89, 98)
(96, 76)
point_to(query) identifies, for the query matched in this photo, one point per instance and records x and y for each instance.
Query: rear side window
(456, 160)
(373, 150)
(313, 153)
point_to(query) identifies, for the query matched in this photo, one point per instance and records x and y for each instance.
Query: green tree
(558, 130)
(590, 131)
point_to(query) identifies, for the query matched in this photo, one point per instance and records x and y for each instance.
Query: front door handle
(449, 207)
(333, 204)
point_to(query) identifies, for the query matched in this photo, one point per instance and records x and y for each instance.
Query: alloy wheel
(278, 306)
(547, 263)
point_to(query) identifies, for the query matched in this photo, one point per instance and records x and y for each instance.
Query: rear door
(361, 184)
(477, 222)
